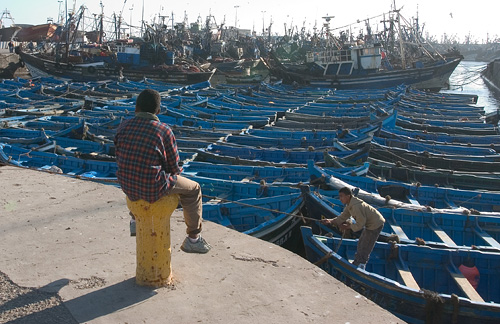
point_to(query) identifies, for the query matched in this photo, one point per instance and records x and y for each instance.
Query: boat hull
(431, 78)
(411, 305)
(40, 67)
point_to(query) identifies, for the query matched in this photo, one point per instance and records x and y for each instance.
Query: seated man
(148, 169)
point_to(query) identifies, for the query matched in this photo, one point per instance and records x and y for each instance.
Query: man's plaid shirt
(147, 157)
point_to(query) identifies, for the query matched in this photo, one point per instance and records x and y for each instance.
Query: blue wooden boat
(274, 132)
(389, 134)
(412, 193)
(448, 138)
(463, 130)
(454, 230)
(303, 121)
(435, 177)
(433, 147)
(452, 98)
(273, 219)
(307, 142)
(102, 171)
(210, 111)
(266, 174)
(458, 122)
(218, 190)
(416, 283)
(216, 153)
(466, 163)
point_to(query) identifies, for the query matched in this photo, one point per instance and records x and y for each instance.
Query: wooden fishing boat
(36, 33)
(455, 230)
(433, 147)
(226, 154)
(102, 171)
(303, 121)
(230, 190)
(463, 130)
(295, 143)
(388, 134)
(412, 193)
(39, 66)
(435, 177)
(273, 219)
(458, 122)
(443, 137)
(260, 174)
(469, 163)
(360, 70)
(416, 283)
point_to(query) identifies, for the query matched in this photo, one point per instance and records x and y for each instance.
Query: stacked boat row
(271, 158)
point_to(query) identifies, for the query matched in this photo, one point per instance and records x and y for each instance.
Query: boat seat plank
(413, 201)
(487, 237)
(450, 204)
(445, 238)
(397, 229)
(464, 284)
(407, 277)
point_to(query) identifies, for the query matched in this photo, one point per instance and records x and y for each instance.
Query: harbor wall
(10, 67)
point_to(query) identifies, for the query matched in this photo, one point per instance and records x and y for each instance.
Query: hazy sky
(452, 17)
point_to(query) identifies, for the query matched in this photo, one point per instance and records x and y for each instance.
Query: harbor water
(466, 79)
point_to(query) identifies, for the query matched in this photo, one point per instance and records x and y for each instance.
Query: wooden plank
(397, 229)
(404, 272)
(413, 201)
(407, 277)
(441, 234)
(487, 237)
(450, 204)
(464, 284)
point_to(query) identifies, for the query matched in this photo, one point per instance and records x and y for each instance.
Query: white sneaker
(201, 246)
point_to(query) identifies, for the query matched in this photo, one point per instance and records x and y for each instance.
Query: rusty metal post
(153, 240)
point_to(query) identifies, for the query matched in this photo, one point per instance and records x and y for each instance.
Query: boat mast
(401, 45)
(101, 26)
(142, 18)
(6, 14)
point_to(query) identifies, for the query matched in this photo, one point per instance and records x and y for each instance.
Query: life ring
(91, 69)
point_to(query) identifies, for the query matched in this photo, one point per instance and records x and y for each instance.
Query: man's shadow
(108, 300)
(81, 309)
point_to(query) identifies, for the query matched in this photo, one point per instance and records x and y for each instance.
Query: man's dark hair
(346, 191)
(149, 100)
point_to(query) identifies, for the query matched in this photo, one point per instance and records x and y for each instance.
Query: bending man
(367, 219)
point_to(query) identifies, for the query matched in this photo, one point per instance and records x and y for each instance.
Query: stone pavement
(69, 239)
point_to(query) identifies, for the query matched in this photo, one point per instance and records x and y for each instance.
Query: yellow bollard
(153, 240)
